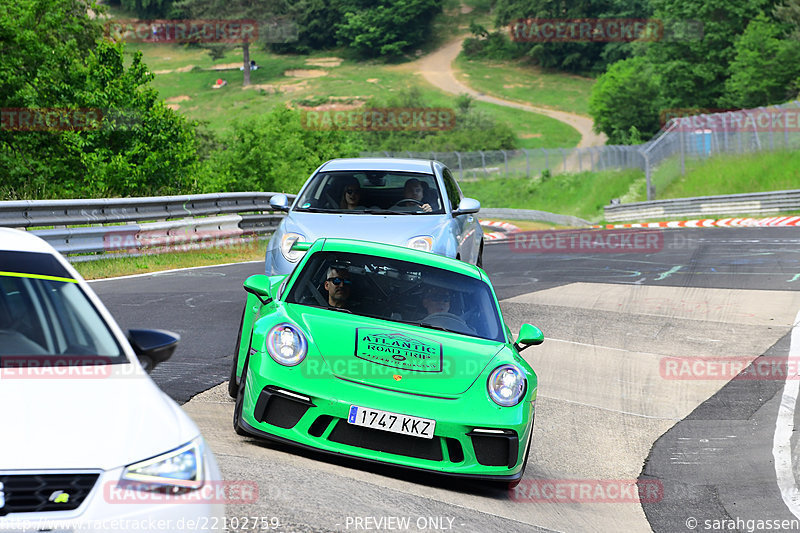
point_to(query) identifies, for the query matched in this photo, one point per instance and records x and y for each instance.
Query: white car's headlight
(177, 471)
(287, 241)
(421, 242)
(286, 344)
(506, 385)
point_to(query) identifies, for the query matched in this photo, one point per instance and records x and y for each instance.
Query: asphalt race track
(630, 402)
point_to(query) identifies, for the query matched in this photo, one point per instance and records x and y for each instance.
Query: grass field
(514, 80)
(123, 266)
(766, 171)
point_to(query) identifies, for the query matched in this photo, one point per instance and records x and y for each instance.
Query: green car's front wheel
(239, 406)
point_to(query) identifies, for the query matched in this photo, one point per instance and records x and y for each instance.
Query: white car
(88, 441)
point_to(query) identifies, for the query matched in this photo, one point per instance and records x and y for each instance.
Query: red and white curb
(712, 223)
(503, 229)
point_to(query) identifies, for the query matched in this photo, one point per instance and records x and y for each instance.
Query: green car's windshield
(399, 291)
(371, 192)
(49, 317)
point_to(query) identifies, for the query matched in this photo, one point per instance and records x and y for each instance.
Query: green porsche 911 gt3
(387, 354)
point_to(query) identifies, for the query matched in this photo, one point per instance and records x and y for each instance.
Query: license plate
(394, 422)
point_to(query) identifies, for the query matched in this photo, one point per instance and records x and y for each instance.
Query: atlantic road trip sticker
(390, 348)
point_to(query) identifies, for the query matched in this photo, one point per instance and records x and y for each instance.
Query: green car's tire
(239, 407)
(233, 386)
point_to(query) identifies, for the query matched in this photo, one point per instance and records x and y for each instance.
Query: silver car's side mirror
(467, 206)
(279, 202)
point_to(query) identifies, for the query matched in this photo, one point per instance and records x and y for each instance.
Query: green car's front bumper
(286, 404)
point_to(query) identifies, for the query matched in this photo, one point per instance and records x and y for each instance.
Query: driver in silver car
(413, 190)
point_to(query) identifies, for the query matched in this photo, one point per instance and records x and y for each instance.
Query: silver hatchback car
(409, 202)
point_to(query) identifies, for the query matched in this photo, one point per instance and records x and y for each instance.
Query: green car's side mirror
(529, 335)
(260, 286)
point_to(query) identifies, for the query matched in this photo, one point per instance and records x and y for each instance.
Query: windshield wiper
(431, 326)
(386, 212)
(316, 210)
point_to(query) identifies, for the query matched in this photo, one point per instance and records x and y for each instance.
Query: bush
(273, 152)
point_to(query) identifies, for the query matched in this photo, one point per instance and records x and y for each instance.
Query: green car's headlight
(286, 247)
(506, 385)
(177, 471)
(287, 344)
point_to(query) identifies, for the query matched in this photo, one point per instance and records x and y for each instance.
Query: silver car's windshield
(45, 314)
(372, 192)
(399, 291)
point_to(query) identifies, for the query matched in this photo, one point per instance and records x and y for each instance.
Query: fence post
(546, 163)
(483, 162)
(564, 155)
(505, 158)
(681, 141)
(650, 191)
(460, 168)
(527, 163)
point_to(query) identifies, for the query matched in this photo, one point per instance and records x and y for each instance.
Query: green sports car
(387, 354)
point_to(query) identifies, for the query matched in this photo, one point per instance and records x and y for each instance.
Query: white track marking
(784, 426)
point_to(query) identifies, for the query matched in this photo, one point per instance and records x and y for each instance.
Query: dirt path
(437, 69)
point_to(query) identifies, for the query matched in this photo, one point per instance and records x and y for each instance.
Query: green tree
(262, 11)
(572, 56)
(145, 8)
(385, 27)
(625, 101)
(693, 71)
(765, 69)
(274, 152)
(789, 13)
(50, 61)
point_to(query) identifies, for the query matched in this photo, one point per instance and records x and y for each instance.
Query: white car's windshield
(372, 192)
(46, 315)
(399, 291)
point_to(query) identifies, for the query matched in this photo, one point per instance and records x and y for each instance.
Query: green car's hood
(393, 355)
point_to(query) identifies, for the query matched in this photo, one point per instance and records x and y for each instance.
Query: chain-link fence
(683, 139)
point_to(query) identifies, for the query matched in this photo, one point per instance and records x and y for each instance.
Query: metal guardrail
(127, 226)
(761, 203)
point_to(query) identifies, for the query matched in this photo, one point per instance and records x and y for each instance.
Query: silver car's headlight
(506, 385)
(287, 241)
(286, 344)
(177, 471)
(421, 242)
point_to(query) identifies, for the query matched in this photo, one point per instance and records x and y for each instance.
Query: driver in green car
(337, 284)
